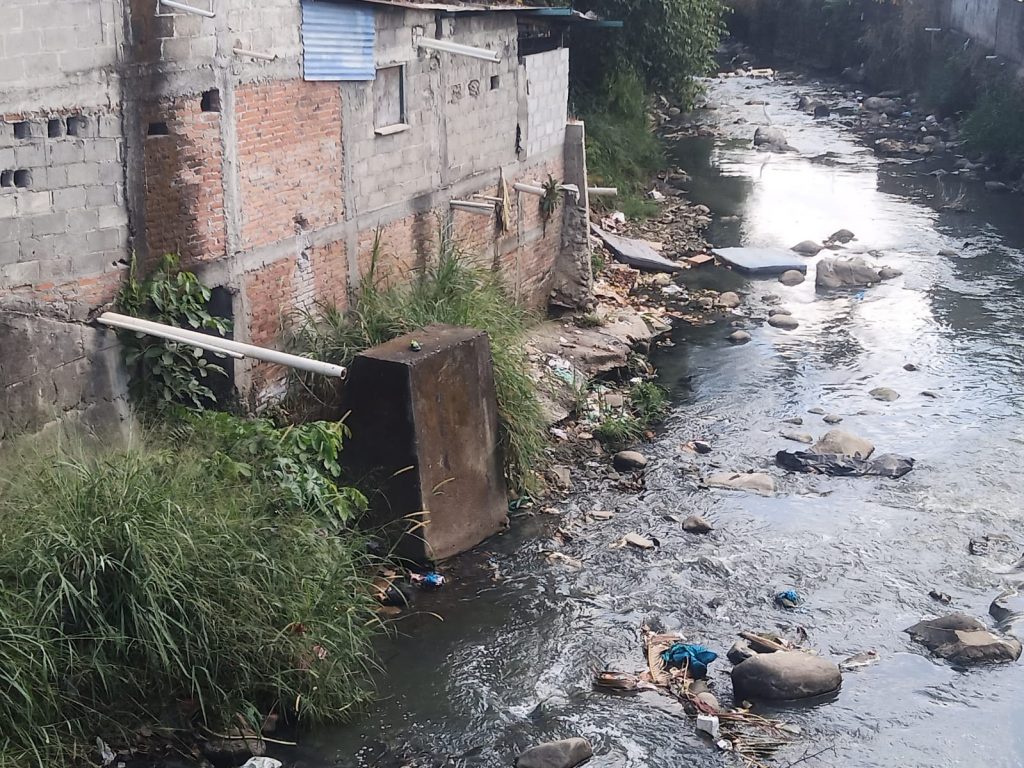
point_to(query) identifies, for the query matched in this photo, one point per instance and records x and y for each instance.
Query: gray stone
(785, 675)
(729, 300)
(1007, 607)
(807, 248)
(845, 444)
(798, 437)
(885, 394)
(739, 337)
(817, 411)
(784, 322)
(758, 482)
(791, 277)
(880, 104)
(562, 477)
(794, 420)
(832, 418)
(696, 524)
(832, 273)
(929, 393)
(779, 311)
(948, 252)
(888, 273)
(556, 754)
(910, 367)
(740, 652)
(772, 138)
(963, 639)
(627, 460)
(841, 236)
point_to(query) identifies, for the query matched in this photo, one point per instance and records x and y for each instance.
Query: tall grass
(996, 124)
(450, 289)
(151, 585)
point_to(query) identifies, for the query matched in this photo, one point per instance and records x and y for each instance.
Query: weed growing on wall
(451, 289)
(162, 372)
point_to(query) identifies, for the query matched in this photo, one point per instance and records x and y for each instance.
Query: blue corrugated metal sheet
(337, 41)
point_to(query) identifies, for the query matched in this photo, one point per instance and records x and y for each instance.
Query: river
(510, 665)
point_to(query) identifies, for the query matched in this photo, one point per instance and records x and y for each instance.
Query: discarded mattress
(761, 261)
(636, 253)
(886, 465)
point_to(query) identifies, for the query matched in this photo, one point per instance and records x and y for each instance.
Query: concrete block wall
(547, 99)
(997, 25)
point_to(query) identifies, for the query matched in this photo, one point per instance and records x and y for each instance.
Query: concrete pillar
(424, 419)
(573, 281)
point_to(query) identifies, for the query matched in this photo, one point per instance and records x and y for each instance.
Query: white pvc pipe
(473, 207)
(174, 335)
(216, 344)
(603, 191)
(529, 189)
(188, 8)
(254, 54)
(458, 49)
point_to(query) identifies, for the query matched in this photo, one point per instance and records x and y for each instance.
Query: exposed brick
(289, 158)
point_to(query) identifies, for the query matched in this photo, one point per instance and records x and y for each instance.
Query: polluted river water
(511, 663)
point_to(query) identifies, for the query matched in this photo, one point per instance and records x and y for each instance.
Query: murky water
(510, 664)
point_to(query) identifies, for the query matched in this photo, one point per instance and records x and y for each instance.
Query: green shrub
(996, 124)
(619, 429)
(157, 585)
(450, 289)
(648, 401)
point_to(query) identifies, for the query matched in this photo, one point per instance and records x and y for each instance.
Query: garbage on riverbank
(886, 465)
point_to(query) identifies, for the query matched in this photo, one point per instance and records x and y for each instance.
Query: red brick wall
(184, 189)
(289, 158)
(330, 272)
(405, 245)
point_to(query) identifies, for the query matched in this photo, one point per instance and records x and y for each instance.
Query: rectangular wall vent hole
(158, 129)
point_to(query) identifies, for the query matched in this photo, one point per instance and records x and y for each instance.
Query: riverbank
(512, 662)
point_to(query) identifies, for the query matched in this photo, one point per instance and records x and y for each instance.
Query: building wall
(199, 136)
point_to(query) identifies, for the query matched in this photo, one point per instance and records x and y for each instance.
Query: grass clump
(450, 289)
(996, 124)
(167, 585)
(619, 429)
(645, 404)
(622, 149)
(648, 401)
(589, 320)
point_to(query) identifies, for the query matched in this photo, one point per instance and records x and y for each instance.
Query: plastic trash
(262, 762)
(415, 346)
(107, 755)
(431, 580)
(788, 598)
(886, 465)
(695, 658)
(708, 724)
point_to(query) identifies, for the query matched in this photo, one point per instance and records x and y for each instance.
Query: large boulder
(785, 675)
(759, 482)
(729, 300)
(844, 444)
(625, 461)
(771, 138)
(556, 754)
(963, 639)
(832, 273)
(784, 321)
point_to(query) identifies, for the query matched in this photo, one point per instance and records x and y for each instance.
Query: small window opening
(158, 129)
(6, 178)
(495, 82)
(210, 101)
(389, 97)
(23, 130)
(55, 128)
(77, 125)
(23, 178)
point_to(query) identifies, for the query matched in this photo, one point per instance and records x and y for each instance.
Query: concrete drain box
(424, 418)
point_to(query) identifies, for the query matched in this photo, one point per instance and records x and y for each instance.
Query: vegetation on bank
(178, 584)
(663, 48)
(449, 289)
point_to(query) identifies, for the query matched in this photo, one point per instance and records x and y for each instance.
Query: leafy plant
(165, 372)
(298, 465)
(648, 401)
(589, 320)
(550, 200)
(156, 585)
(996, 124)
(450, 289)
(619, 428)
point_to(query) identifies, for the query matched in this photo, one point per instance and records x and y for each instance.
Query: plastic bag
(886, 465)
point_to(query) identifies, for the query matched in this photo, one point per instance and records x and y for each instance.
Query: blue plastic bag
(694, 657)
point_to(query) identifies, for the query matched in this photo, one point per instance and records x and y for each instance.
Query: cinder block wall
(185, 138)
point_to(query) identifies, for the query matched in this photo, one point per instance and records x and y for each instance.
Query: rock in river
(739, 337)
(626, 460)
(771, 138)
(729, 300)
(845, 444)
(785, 675)
(963, 639)
(884, 394)
(759, 482)
(799, 437)
(841, 236)
(807, 248)
(785, 322)
(844, 273)
(696, 524)
(888, 273)
(791, 277)
(556, 754)
(832, 418)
